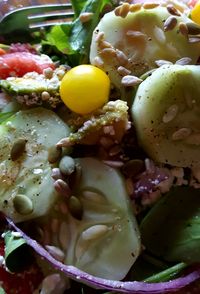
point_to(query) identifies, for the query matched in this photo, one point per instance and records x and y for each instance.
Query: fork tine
(49, 16)
(27, 19)
(39, 25)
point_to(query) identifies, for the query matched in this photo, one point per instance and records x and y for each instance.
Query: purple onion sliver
(134, 287)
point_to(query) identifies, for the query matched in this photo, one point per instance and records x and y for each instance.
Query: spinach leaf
(17, 253)
(73, 39)
(171, 229)
(5, 115)
(78, 6)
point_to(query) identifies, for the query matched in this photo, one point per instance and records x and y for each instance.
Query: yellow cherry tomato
(195, 13)
(85, 88)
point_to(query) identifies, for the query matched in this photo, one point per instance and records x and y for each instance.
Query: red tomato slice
(192, 3)
(19, 63)
(20, 283)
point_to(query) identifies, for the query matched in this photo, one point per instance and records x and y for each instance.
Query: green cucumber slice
(166, 114)
(29, 175)
(105, 241)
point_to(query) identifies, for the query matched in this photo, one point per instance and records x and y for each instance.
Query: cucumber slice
(137, 40)
(105, 242)
(26, 186)
(166, 114)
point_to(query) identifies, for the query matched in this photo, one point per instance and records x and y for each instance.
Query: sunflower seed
(130, 81)
(98, 61)
(194, 39)
(94, 232)
(184, 61)
(183, 29)
(22, 204)
(18, 149)
(181, 134)
(56, 174)
(122, 10)
(172, 10)
(100, 37)
(123, 71)
(170, 23)
(150, 5)
(170, 113)
(135, 34)
(62, 188)
(135, 7)
(121, 56)
(163, 62)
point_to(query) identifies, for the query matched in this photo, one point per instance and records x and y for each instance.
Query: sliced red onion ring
(99, 283)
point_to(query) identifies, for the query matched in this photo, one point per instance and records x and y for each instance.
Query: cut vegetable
(98, 220)
(26, 186)
(133, 287)
(166, 114)
(130, 44)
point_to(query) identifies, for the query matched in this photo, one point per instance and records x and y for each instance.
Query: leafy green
(171, 229)
(5, 115)
(73, 39)
(78, 6)
(15, 251)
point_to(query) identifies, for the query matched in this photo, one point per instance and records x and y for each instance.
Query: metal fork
(28, 19)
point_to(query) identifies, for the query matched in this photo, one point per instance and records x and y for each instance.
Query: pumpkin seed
(18, 149)
(67, 165)
(133, 167)
(75, 207)
(22, 204)
(54, 154)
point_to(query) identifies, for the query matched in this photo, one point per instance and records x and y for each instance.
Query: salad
(99, 152)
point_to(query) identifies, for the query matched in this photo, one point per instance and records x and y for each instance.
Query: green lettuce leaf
(171, 229)
(73, 39)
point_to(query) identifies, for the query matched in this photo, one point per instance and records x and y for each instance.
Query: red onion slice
(99, 283)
